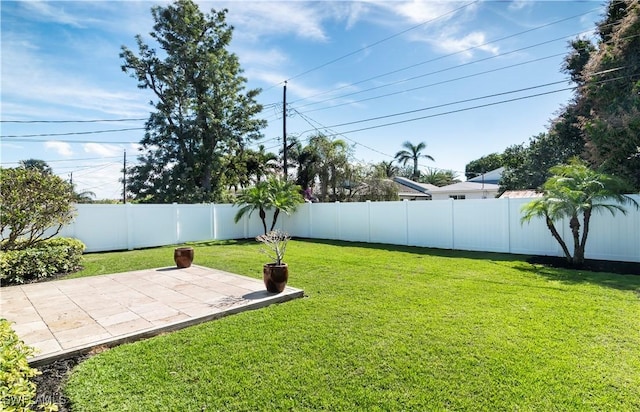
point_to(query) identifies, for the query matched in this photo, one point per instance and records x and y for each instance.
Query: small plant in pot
(276, 273)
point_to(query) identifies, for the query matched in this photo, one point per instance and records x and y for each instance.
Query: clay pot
(183, 256)
(275, 276)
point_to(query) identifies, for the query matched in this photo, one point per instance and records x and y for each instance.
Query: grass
(383, 328)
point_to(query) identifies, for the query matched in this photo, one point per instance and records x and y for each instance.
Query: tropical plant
(574, 190)
(412, 153)
(439, 177)
(276, 245)
(274, 193)
(386, 170)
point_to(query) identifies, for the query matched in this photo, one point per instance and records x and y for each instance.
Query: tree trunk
(275, 218)
(263, 217)
(579, 257)
(557, 236)
(574, 224)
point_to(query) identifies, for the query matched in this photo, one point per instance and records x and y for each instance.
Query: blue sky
(345, 63)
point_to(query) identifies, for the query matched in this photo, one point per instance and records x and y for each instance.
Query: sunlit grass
(383, 328)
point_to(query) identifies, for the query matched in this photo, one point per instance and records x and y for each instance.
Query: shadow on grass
(628, 277)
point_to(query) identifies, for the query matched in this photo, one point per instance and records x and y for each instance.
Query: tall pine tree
(202, 116)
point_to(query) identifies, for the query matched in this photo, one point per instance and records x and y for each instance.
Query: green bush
(17, 391)
(44, 259)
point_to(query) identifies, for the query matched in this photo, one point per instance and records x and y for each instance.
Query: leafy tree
(33, 203)
(482, 165)
(202, 112)
(412, 153)
(274, 193)
(439, 177)
(610, 96)
(574, 190)
(577, 59)
(36, 164)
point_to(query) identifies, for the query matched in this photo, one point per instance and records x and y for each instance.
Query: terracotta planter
(183, 256)
(275, 276)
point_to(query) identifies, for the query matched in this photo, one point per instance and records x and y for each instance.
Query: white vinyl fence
(491, 225)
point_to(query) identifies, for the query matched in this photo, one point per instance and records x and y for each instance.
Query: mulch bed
(591, 265)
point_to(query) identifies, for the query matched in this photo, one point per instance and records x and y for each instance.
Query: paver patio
(64, 317)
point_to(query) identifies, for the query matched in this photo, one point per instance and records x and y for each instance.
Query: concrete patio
(66, 317)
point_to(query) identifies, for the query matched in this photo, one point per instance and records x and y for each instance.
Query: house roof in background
(492, 176)
(467, 187)
(411, 186)
(520, 194)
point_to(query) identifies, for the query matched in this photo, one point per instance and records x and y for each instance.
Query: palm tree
(252, 199)
(386, 170)
(285, 197)
(274, 193)
(413, 153)
(573, 190)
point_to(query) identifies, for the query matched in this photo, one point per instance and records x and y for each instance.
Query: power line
(72, 133)
(458, 52)
(435, 84)
(72, 121)
(444, 104)
(374, 44)
(448, 69)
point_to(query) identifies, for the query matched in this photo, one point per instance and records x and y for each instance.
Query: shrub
(34, 204)
(17, 391)
(45, 259)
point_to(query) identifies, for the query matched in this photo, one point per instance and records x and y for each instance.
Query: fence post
(128, 211)
(338, 231)
(310, 206)
(453, 221)
(368, 203)
(406, 221)
(212, 221)
(176, 217)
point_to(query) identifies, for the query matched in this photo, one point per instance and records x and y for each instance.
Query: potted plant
(276, 273)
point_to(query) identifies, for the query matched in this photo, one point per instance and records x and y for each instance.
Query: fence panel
(223, 226)
(614, 238)
(388, 222)
(529, 238)
(324, 218)
(100, 227)
(353, 221)
(481, 224)
(152, 225)
(195, 222)
(430, 224)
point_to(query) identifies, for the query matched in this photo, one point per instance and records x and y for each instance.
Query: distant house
(410, 190)
(465, 190)
(492, 177)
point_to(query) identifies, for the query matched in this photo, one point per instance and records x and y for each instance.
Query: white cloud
(515, 5)
(53, 12)
(258, 19)
(101, 149)
(465, 45)
(62, 148)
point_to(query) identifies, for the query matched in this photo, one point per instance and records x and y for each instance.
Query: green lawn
(383, 328)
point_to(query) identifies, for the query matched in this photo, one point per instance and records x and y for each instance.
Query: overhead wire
(454, 53)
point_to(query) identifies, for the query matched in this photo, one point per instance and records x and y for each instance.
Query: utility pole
(284, 130)
(124, 179)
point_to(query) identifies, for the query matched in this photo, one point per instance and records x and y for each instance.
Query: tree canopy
(413, 153)
(601, 123)
(202, 114)
(34, 204)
